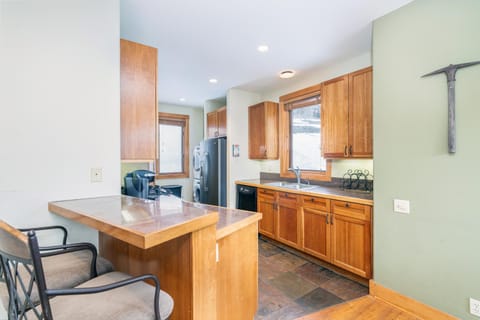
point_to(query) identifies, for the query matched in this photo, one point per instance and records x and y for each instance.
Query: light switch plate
(96, 175)
(401, 206)
(475, 307)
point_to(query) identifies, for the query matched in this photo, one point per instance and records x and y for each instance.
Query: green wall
(433, 254)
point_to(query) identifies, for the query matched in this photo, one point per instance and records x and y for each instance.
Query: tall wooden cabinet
(217, 123)
(347, 116)
(263, 131)
(138, 101)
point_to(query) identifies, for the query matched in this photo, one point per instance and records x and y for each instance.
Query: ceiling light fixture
(262, 48)
(286, 74)
(213, 80)
(182, 99)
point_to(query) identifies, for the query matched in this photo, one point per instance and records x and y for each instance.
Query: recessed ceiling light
(262, 48)
(213, 80)
(182, 99)
(286, 74)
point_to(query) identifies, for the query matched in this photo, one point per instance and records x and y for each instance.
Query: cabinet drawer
(287, 199)
(317, 203)
(266, 193)
(353, 210)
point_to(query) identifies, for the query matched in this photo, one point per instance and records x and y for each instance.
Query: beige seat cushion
(62, 271)
(130, 302)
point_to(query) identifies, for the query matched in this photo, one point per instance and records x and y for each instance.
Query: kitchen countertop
(334, 193)
(146, 223)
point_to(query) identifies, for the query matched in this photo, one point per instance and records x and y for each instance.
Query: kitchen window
(173, 146)
(300, 135)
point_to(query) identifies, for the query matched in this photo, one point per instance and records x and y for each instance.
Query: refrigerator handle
(205, 171)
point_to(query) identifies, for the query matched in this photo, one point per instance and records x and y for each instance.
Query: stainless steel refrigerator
(213, 164)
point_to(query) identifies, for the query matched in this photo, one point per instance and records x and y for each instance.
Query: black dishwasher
(246, 198)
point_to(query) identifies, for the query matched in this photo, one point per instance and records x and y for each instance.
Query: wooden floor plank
(364, 308)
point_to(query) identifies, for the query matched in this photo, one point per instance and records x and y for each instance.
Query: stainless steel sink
(298, 186)
(278, 183)
(290, 185)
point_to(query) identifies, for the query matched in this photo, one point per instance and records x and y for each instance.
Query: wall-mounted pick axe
(450, 71)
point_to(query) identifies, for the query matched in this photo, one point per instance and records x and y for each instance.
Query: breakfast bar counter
(205, 257)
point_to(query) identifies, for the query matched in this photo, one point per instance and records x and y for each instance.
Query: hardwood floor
(364, 308)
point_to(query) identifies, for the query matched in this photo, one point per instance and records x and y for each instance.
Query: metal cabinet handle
(331, 219)
(350, 151)
(347, 205)
(312, 199)
(345, 150)
(326, 220)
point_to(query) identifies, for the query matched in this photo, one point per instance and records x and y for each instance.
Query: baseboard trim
(407, 304)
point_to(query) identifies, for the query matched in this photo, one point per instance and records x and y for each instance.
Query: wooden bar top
(140, 222)
(147, 223)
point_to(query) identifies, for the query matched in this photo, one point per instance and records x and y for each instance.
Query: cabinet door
(266, 205)
(316, 233)
(360, 114)
(288, 222)
(256, 132)
(335, 118)
(222, 121)
(138, 101)
(351, 237)
(212, 124)
(263, 131)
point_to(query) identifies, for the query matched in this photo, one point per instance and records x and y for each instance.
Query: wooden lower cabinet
(351, 237)
(316, 233)
(289, 227)
(338, 232)
(267, 204)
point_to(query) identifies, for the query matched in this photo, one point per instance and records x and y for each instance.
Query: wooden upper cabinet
(138, 101)
(347, 116)
(335, 117)
(222, 121)
(212, 126)
(217, 123)
(263, 131)
(360, 114)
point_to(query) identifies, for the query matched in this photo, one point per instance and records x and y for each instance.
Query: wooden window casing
(297, 99)
(183, 121)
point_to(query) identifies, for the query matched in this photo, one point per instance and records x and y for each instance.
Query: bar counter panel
(176, 240)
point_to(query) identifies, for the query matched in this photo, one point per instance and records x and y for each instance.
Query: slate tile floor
(290, 286)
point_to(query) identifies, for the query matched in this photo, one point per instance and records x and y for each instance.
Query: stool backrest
(20, 271)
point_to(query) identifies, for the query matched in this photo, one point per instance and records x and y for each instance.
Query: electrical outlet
(401, 206)
(475, 307)
(96, 175)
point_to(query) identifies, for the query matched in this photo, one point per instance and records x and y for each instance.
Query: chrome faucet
(297, 172)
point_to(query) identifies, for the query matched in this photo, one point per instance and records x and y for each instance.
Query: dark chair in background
(65, 266)
(113, 295)
(141, 184)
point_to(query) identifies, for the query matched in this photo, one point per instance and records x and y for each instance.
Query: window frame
(183, 120)
(284, 135)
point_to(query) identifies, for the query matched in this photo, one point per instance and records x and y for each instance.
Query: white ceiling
(198, 40)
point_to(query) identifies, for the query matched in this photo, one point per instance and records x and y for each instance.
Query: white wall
(59, 101)
(240, 167)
